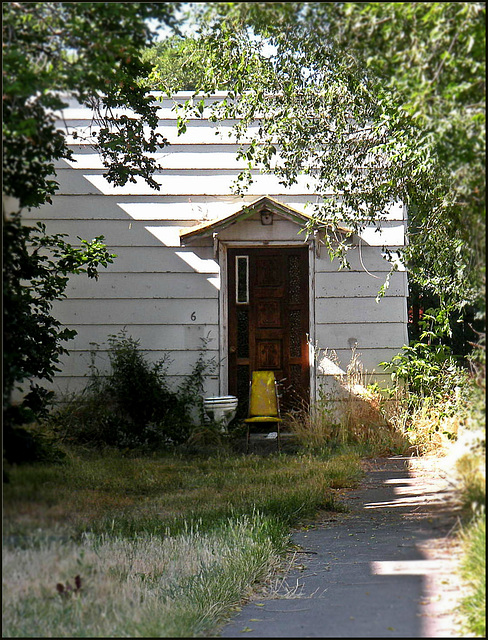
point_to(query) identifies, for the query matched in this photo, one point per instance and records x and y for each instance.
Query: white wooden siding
(356, 284)
(351, 310)
(146, 286)
(160, 260)
(368, 335)
(166, 295)
(162, 208)
(157, 337)
(134, 311)
(176, 183)
(64, 385)
(179, 363)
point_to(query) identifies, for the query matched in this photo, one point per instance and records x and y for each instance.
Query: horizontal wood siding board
(118, 233)
(356, 284)
(182, 146)
(160, 207)
(214, 159)
(175, 337)
(165, 112)
(84, 120)
(370, 359)
(65, 386)
(351, 311)
(378, 375)
(157, 207)
(197, 133)
(367, 259)
(180, 363)
(335, 388)
(174, 183)
(158, 312)
(369, 335)
(135, 233)
(144, 286)
(163, 260)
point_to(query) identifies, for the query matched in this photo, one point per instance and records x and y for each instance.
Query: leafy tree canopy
(177, 65)
(379, 102)
(89, 51)
(53, 52)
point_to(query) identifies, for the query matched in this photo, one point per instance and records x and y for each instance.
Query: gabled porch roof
(265, 203)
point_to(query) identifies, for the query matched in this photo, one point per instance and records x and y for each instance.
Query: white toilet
(221, 409)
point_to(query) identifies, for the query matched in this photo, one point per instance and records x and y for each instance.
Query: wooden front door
(269, 321)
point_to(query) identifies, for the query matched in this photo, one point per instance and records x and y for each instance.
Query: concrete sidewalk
(384, 569)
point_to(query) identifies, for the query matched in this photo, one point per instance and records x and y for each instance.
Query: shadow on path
(385, 569)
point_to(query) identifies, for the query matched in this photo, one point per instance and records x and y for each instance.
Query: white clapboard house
(196, 261)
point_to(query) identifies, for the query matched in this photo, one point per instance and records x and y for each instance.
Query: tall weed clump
(353, 414)
(131, 405)
(432, 391)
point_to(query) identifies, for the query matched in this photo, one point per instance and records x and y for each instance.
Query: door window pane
(295, 333)
(243, 332)
(294, 279)
(242, 279)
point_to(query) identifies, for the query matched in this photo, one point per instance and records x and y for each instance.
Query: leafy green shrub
(36, 270)
(427, 367)
(427, 370)
(132, 406)
(435, 397)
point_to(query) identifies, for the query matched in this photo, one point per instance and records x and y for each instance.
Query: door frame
(224, 306)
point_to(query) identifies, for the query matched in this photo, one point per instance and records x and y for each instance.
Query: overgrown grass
(351, 412)
(148, 586)
(164, 547)
(170, 491)
(470, 475)
(473, 572)
(356, 420)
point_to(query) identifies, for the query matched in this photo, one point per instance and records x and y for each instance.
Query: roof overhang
(263, 204)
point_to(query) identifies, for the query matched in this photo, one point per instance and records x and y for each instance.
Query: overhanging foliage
(377, 102)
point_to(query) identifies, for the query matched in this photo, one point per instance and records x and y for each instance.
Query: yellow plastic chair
(263, 402)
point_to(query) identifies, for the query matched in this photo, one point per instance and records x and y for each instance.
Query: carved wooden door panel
(268, 321)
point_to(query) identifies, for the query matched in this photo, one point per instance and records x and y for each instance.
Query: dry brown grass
(355, 413)
(165, 547)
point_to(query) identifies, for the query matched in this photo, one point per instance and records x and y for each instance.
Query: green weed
(131, 406)
(473, 572)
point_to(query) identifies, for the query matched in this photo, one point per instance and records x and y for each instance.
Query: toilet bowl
(221, 409)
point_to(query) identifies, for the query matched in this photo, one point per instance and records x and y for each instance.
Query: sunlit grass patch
(164, 547)
(148, 586)
(473, 572)
(87, 494)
